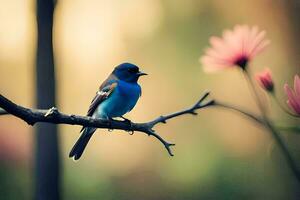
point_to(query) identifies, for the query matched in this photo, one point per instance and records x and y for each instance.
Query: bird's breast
(121, 101)
(131, 90)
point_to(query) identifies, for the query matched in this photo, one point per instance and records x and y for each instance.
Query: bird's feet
(110, 128)
(131, 131)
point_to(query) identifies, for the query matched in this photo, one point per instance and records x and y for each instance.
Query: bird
(116, 96)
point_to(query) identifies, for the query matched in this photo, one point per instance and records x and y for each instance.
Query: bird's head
(128, 72)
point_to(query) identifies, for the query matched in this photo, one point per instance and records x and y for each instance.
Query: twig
(52, 115)
(291, 128)
(191, 110)
(241, 111)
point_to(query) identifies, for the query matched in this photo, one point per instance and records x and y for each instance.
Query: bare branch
(241, 111)
(191, 110)
(52, 115)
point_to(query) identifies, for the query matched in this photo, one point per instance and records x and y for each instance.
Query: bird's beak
(141, 73)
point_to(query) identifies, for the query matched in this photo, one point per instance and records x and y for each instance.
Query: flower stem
(275, 134)
(254, 93)
(295, 129)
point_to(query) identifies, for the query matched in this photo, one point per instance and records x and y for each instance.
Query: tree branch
(241, 111)
(52, 115)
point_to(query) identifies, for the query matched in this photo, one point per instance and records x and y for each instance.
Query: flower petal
(292, 99)
(297, 85)
(242, 42)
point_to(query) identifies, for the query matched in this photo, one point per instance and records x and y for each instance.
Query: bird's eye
(133, 70)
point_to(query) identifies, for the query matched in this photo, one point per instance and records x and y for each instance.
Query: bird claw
(130, 131)
(110, 129)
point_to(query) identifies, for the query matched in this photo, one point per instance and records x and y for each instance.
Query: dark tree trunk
(293, 7)
(47, 182)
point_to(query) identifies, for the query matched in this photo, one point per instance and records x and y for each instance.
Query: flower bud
(265, 80)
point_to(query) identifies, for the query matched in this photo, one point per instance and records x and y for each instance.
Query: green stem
(275, 134)
(289, 128)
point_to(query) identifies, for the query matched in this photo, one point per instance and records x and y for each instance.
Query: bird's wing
(106, 88)
(101, 95)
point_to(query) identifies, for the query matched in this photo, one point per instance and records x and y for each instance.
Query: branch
(52, 115)
(241, 111)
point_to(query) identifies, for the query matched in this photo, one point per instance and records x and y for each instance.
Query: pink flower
(236, 48)
(265, 80)
(294, 95)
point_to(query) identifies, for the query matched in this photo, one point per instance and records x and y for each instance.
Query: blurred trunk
(47, 182)
(293, 7)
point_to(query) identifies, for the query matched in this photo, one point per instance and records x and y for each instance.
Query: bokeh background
(218, 154)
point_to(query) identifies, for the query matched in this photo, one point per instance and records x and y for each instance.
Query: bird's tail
(81, 143)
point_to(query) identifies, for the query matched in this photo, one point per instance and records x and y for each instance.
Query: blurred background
(218, 154)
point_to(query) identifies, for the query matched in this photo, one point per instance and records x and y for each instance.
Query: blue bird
(116, 96)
